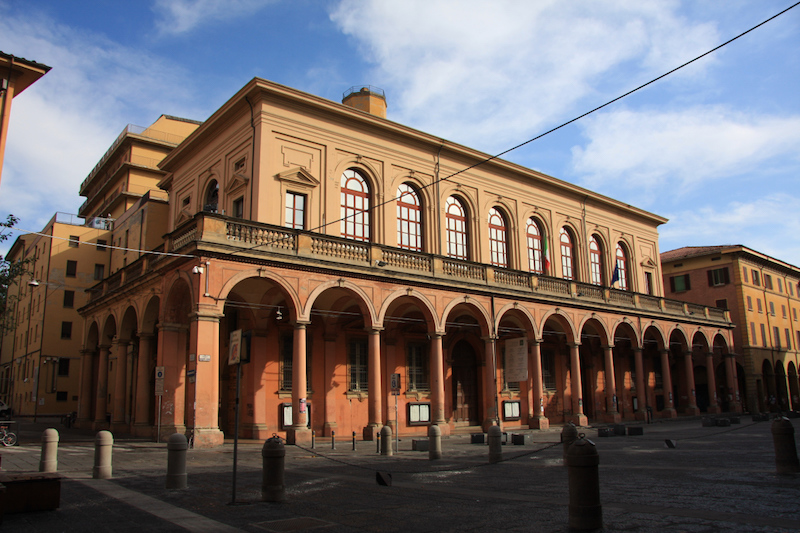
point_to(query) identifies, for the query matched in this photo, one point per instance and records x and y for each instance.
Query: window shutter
(672, 284)
(726, 276)
(710, 278)
(688, 283)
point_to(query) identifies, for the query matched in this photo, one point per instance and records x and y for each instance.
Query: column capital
(375, 330)
(172, 326)
(148, 335)
(301, 324)
(436, 334)
(205, 316)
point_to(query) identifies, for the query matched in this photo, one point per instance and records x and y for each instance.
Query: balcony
(214, 234)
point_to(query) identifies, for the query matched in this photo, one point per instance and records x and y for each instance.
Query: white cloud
(768, 224)
(491, 73)
(653, 152)
(61, 125)
(181, 16)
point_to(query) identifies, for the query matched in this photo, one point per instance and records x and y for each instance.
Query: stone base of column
(258, 431)
(329, 427)
(298, 435)
(714, 409)
(168, 431)
(640, 415)
(444, 427)
(371, 431)
(120, 428)
(580, 420)
(100, 425)
(83, 423)
(692, 411)
(489, 422)
(539, 422)
(668, 413)
(735, 407)
(208, 437)
(612, 418)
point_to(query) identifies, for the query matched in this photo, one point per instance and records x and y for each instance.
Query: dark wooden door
(465, 384)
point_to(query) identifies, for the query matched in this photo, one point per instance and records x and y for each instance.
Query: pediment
(184, 215)
(299, 176)
(235, 181)
(647, 262)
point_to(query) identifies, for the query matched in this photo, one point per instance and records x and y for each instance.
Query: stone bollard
(272, 459)
(49, 460)
(585, 511)
(495, 438)
(434, 443)
(102, 455)
(568, 435)
(785, 450)
(176, 461)
(386, 440)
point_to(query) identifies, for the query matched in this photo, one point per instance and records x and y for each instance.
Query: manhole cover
(292, 524)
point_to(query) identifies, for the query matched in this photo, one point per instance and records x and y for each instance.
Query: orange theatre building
(336, 251)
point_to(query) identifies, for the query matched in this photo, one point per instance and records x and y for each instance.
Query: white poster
(516, 368)
(235, 348)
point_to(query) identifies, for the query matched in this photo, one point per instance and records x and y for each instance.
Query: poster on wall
(235, 348)
(516, 367)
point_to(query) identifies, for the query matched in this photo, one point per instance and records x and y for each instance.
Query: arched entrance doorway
(466, 390)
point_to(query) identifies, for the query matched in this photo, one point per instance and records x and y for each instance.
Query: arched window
(536, 256)
(355, 206)
(621, 269)
(498, 238)
(456, 223)
(566, 255)
(212, 197)
(409, 218)
(596, 260)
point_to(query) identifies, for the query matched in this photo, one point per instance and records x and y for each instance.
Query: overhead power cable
(79, 242)
(548, 132)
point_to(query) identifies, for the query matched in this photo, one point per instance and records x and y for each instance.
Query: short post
(785, 450)
(333, 440)
(313, 439)
(495, 439)
(585, 511)
(378, 443)
(568, 435)
(273, 458)
(49, 459)
(177, 445)
(354, 441)
(103, 443)
(434, 442)
(386, 440)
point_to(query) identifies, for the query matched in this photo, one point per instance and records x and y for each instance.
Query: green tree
(9, 271)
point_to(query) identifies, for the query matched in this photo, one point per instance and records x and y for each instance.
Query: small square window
(102, 245)
(723, 304)
(99, 272)
(238, 207)
(63, 366)
(680, 283)
(74, 240)
(756, 278)
(72, 269)
(61, 396)
(69, 299)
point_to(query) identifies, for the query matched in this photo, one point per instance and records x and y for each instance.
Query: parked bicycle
(6, 437)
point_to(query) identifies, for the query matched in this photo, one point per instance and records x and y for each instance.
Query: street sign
(159, 381)
(235, 348)
(395, 384)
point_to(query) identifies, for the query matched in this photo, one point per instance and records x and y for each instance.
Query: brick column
(172, 356)
(490, 384)
(690, 387)
(374, 385)
(666, 378)
(537, 420)
(734, 401)
(204, 392)
(299, 432)
(437, 382)
(330, 423)
(101, 401)
(713, 404)
(611, 385)
(576, 386)
(143, 403)
(118, 424)
(85, 416)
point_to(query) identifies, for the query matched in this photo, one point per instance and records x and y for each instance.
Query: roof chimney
(366, 98)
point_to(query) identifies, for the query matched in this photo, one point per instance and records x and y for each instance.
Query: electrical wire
(548, 132)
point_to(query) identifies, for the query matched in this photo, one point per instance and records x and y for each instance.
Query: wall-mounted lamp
(278, 314)
(200, 269)
(33, 283)
(380, 263)
(197, 270)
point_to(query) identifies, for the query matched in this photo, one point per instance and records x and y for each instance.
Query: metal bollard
(434, 442)
(378, 443)
(103, 443)
(785, 450)
(313, 439)
(386, 440)
(176, 461)
(495, 444)
(272, 459)
(568, 435)
(49, 459)
(333, 440)
(354, 441)
(585, 511)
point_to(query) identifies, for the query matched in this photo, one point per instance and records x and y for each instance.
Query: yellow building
(362, 264)
(73, 253)
(763, 295)
(16, 75)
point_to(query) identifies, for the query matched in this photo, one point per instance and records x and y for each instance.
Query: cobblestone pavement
(716, 479)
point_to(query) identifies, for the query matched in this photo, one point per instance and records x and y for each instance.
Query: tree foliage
(9, 271)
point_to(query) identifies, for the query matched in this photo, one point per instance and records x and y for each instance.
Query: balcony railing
(208, 231)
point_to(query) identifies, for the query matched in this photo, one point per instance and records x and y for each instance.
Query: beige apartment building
(371, 274)
(40, 358)
(763, 296)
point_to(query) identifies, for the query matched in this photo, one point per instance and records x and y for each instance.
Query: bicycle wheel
(9, 439)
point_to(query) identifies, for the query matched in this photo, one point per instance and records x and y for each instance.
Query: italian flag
(546, 257)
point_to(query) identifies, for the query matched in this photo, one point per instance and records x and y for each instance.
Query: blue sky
(715, 147)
